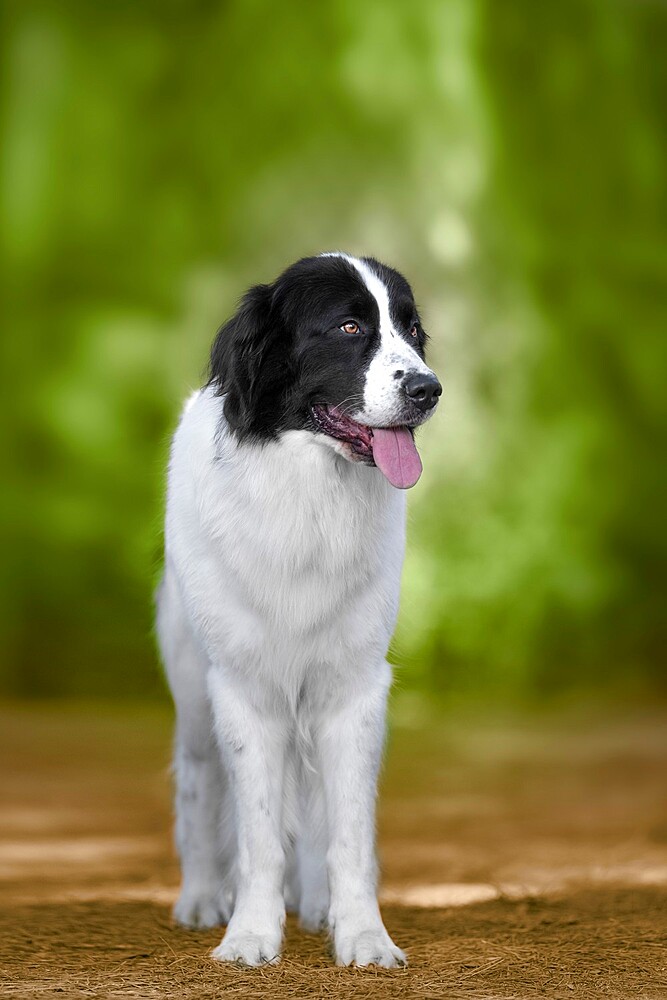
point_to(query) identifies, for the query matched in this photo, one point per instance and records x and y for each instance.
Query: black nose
(423, 390)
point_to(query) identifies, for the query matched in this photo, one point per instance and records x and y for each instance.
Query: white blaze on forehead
(383, 393)
(378, 290)
(375, 286)
(391, 341)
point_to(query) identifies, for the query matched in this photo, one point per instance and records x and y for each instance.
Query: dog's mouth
(391, 449)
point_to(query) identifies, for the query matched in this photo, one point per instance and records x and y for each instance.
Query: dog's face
(334, 346)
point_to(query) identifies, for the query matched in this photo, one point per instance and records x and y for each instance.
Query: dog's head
(334, 346)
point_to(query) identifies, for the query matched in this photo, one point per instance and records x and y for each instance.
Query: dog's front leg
(350, 748)
(252, 743)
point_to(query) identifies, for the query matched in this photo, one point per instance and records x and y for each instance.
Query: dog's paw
(368, 947)
(248, 948)
(201, 909)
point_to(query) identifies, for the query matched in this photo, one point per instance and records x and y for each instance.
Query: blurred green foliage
(509, 157)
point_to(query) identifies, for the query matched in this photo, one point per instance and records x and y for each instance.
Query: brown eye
(413, 330)
(351, 327)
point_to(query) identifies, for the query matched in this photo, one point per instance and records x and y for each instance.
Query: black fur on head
(250, 364)
(285, 350)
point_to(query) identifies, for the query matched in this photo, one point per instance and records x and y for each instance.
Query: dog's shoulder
(195, 434)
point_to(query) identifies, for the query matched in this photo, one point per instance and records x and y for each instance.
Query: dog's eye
(351, 327)
(414, 330)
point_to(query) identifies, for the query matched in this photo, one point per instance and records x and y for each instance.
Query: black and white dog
(284, 542)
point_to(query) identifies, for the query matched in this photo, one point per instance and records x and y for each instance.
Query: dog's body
(283, 557)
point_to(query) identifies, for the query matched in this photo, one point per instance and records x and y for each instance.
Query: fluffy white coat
(276, 609)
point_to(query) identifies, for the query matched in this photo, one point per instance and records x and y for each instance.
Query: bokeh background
(159, 157)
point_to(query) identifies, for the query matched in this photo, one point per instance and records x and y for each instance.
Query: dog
(284, 540)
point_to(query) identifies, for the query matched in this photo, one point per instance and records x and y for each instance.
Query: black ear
(248, 362)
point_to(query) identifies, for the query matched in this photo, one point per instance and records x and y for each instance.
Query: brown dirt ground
(520, 859)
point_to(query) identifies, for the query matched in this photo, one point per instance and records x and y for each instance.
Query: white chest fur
(287, 556)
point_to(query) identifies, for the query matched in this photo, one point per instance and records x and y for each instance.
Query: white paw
(201, 909)
(247, 948)
(368, 947)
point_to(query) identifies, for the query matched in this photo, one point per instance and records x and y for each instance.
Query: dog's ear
(248, 361)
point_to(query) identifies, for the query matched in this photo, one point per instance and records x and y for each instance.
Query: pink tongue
(395, 455)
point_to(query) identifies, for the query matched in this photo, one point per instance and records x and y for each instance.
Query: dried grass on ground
(564, 821)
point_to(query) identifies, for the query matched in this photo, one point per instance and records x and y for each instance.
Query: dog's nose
(422, 390)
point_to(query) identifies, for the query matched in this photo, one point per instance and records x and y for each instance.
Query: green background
(509, 157)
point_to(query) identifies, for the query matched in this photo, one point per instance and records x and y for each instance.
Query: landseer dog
(284, 539)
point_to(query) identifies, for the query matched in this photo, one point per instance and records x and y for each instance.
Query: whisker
(350, 403)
